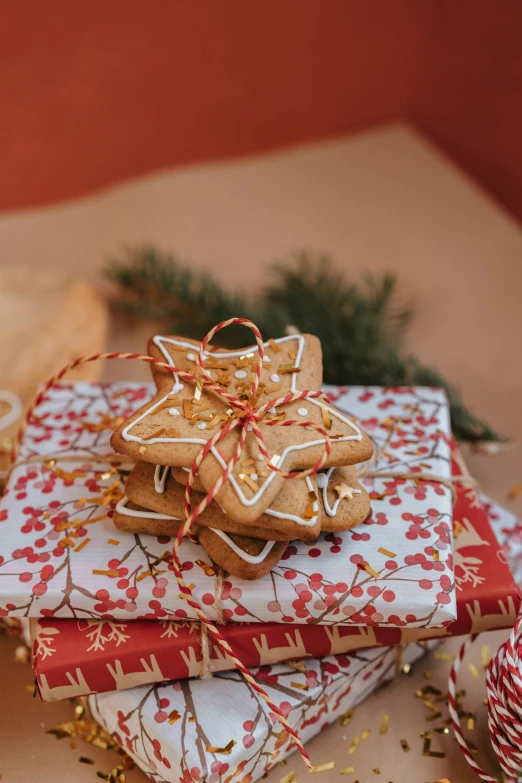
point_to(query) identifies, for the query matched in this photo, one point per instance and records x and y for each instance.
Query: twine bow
(244, 413)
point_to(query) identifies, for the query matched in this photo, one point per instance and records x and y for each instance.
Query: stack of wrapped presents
(336, 533)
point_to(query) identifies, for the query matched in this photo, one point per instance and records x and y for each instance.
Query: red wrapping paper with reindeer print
(114, 655)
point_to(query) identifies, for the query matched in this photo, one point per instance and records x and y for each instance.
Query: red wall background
(93, 93)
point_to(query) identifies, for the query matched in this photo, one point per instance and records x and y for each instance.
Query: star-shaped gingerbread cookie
(175, 425)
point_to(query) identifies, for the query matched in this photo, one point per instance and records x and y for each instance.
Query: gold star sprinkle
(344, 491)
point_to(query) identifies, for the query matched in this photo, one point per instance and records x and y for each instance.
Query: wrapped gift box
(60, 555)
(112, 655)
(171, 730)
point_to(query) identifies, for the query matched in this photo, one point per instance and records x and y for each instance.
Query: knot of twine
(504, 700)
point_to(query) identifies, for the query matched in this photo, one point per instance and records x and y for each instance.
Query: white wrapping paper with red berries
(171, 730)
(61, 556)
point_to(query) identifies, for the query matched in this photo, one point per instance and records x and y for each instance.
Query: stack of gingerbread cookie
(257, 512)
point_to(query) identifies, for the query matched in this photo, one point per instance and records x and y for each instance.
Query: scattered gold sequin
(289, 778)
(250, 482)
(97, 572)
(485, 655)
(428, 674)
(347, 717)
(299, 685)
(404, 745)
(354, 745)
(326, 417)
(226, 750)
(385, 722)
(444, 656)
(376, 771)
(365, 734)
(470, 723)
(347, 771)
(473, 669)
(113, 541)
(323, 767)
(386, 552)
(435, 554)
(82, 545)
(173, 717)
(515, 491)
(85, 760)
(371, 570)
(406, 669)
(155, 434)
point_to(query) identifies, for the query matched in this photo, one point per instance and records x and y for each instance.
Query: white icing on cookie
(302, 411)
(122, 508)
(240, 374)
(174, 412)
(275, 378)
(202, 425)
(322, 482)
(252, 559)
(160, 478)
(191, 357)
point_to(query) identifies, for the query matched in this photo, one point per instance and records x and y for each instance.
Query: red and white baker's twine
(247, 416)
(504, 692)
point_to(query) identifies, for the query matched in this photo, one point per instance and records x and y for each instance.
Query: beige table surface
(382, 200)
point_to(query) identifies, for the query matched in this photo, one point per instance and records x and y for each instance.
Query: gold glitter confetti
(97, 572)
(289, 778)
(85, 760)
(82, 545)
(300, 686)
(173, 717)
(404, 745)
(428, 674)
(156, 434)
(143, 575)
(354, 745)
(113, 541)
(251, 483)
(376, 771)
(473, 669)
(347, 717)
(435, 553)
(470, 723)
(371, 570)
(443, 656)
(386, 552)
(485, 655)
(365, 734)
(347, 771)
(515, 491)
(226, 750)
(385, 722)
(326, 417)
(206, 568)
(457, 529)
(323, 767)
(406, 669)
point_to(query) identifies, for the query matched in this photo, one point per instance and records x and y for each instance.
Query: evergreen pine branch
(361, 327)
